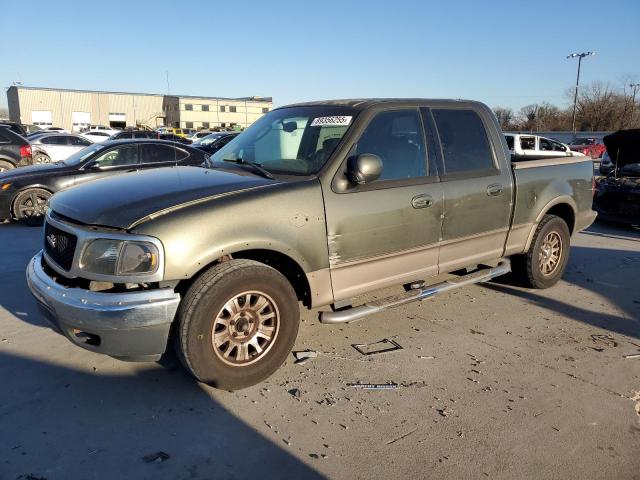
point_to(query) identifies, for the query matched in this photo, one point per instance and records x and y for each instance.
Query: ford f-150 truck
(314, 204)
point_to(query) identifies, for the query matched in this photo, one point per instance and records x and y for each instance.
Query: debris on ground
(426, 357)
(374, 386)
(633, 355)
(383, 346)
(604, 340)
(476, 332)
(401, 437)
(328, 400)
(295, 393)
(157, 457)
(304, 356)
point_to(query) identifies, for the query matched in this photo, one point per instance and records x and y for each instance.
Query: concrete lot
(522, 384)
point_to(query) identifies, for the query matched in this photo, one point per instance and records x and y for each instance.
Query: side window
(396, 137)
(116, 157)
(545, 145)
(509, 140)
(527, 143)
(465, 146)
(558, 147)
(124, 135)
(55, 140)
(78, 142)
(152, 153)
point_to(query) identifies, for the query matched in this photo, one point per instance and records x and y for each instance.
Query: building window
(188, 106)
(188, 124)
(265, 109)
(232, 109)
(223, 108)
(205, 108)
(205, 124)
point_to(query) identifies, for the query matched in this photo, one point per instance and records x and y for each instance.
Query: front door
(114, 161)
(478, 190)
(386, 232)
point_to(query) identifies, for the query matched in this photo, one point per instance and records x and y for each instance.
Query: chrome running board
(377, 306)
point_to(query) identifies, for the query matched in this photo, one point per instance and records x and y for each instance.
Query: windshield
(212, 137)
(80, 155)
(294, 140)
(583, 141)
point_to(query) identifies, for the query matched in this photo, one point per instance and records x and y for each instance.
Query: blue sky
(502, 53)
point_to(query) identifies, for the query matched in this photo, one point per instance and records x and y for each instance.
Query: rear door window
(464, 141)
(55, 140)
(528, 143)
(152, 153)
(78, 142)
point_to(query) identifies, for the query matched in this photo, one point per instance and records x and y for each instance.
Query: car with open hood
(617, 195)
(315, 204)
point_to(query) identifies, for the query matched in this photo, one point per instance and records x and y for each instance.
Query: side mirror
(364, 168)
(92, 165)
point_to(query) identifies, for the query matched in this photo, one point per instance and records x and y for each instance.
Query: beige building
(77, 109)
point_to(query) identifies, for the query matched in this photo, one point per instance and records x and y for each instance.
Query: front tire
(237, 324)
(544, 264)
(29, 206)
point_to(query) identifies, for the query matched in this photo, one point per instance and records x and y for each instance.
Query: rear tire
(40, 158)
(29, 206)
(237, 324)
(544, 264)
(5, 166)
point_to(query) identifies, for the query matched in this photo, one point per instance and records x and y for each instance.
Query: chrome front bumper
(130, 325)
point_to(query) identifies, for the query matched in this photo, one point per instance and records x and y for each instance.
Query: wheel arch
(24, 189)
(563, 207)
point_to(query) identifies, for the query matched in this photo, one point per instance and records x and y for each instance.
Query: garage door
(42, 118)
(80, 120)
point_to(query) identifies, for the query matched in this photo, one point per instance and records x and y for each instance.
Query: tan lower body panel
(320, 286)
(462, 252)
(518, 238)
(354, 278)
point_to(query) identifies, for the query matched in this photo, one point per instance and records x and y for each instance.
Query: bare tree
(505, 117)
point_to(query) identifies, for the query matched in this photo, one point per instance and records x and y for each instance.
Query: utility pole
(633, 99)
(580, 56)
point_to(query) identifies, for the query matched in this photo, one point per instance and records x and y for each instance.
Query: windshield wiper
(256, 167)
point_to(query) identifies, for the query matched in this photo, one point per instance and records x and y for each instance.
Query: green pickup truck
(314, 204)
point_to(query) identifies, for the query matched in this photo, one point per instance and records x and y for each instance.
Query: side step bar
(377, 306)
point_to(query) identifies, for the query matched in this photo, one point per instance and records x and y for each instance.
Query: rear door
(478, 187)
(387, 231)
(55, 146)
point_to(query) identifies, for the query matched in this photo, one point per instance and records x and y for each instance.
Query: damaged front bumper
(129, 325)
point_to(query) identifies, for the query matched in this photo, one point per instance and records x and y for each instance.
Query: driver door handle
(494, 190)
(421, 201)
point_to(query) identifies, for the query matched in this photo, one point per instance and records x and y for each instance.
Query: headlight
(119, 257)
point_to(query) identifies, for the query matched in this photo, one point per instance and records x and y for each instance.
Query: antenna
(168, 86)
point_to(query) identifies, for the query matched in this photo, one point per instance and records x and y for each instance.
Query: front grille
(60, 246)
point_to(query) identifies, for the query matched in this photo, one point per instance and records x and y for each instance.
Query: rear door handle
(494, 190)
(421, 201)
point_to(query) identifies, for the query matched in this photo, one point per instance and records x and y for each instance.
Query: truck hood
(124, 200)
(623, 147)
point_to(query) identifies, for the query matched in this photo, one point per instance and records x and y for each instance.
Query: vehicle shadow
(62, 423)
(611, 273)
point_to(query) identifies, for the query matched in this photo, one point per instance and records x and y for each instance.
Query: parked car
(535, 147)
(127, 134)
(589, 146)
(15, 150)
(175, 138)
(171, 131)
(29, 128)
(214, 141)
(97, 136)
(54, 147)
(617, 197)
(15, 127)
(200, 134)
(24, 192)
(55, 130)
(317, 202)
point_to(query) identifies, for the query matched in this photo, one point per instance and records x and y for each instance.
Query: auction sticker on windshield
(339, 120)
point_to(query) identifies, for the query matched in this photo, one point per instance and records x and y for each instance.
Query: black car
(24, 193)
(214, 141)
(128, 134)
(175, 138)
(617, 197)
(15, 150)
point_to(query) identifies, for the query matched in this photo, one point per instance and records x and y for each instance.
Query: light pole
(575, 95)
(633, 99)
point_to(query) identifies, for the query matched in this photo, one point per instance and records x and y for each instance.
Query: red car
(590, 146)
